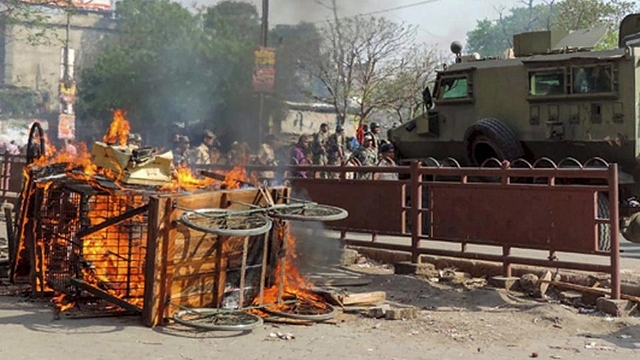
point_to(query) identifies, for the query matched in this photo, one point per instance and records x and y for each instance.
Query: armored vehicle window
(592, 79)
(454, 88)
(546, 83)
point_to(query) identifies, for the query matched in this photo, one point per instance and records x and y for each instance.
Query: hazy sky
(440, 21)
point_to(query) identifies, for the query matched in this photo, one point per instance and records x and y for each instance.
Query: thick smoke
(315, 247)
(295, 11)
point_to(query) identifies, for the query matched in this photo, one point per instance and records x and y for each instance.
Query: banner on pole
(264, 73)
(66, 126)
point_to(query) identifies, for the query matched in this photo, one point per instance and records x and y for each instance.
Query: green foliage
(163, 66)
(492, 38)
(167, 65)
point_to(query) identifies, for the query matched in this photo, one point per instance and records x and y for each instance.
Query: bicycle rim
(314, 212)
(214, 221)
(214, 320)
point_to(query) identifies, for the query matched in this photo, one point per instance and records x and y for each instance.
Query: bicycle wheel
(226, 223)
(216, 320)
(36, 143)
(310, 212)
(302, 311)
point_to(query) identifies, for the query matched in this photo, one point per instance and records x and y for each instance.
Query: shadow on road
(39, 316)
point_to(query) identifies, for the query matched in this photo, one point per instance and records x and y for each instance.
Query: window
(454, 88)
(592, 79)
(546, 83)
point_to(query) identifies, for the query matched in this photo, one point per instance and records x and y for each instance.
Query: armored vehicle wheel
(491, 138)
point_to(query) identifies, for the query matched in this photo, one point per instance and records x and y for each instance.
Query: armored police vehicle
(554, 96)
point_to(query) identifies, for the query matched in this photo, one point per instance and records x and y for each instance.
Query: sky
(439, 21)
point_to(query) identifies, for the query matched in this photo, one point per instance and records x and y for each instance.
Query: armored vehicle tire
(491, 138)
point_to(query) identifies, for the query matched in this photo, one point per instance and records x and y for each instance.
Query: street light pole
(264, 34)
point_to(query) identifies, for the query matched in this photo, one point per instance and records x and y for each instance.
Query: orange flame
(184, 179)
(118, 130)
(238, 176)
(293, 284)
(104, 248)
(59, 301)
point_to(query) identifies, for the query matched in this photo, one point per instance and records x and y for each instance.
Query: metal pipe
(614, 218)
(416, 202)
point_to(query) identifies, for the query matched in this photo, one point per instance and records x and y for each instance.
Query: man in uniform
(181, 151)
(267, 157)
(387, 154)
(319, 147)
(375, 134)
(336, 148)
(367, 155)
(201, 155)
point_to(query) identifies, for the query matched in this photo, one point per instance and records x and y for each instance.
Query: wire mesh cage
(91, 235)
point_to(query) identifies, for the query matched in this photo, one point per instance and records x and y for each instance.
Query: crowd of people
(12, 148)
(323, 148)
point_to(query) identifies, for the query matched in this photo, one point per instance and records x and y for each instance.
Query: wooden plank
(154, 241)
(168, 255)
(587, 289)
(193, 286)
(185, 266)
(370, 298)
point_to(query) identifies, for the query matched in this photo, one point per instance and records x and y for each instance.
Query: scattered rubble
(280, 336)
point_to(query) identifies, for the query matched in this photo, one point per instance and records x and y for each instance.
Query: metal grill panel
(111, 259)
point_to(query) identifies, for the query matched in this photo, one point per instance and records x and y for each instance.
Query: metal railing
(556, 208)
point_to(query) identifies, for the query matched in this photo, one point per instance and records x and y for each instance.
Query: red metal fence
(553, 209)
(11, 177)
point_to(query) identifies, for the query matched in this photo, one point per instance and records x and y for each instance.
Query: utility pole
(67, 88)
(264, 34)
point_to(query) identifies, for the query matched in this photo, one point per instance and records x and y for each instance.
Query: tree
(417, 70)
(168, 65)
(580, 14)
(493, 38)
(35, 16)
(358, 56)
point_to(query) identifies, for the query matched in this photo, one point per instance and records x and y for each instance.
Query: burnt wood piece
(8, 218)
(114, 220)
(105, 296)
(221, 177)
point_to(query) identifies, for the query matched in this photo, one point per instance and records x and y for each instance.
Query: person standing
(267, 157)
(13, 148)
(319, 148)
(387, 153)
(336, 149)
(299, 154)
(367, 155)
(375, 134)
(181, 151)
(201, 155)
